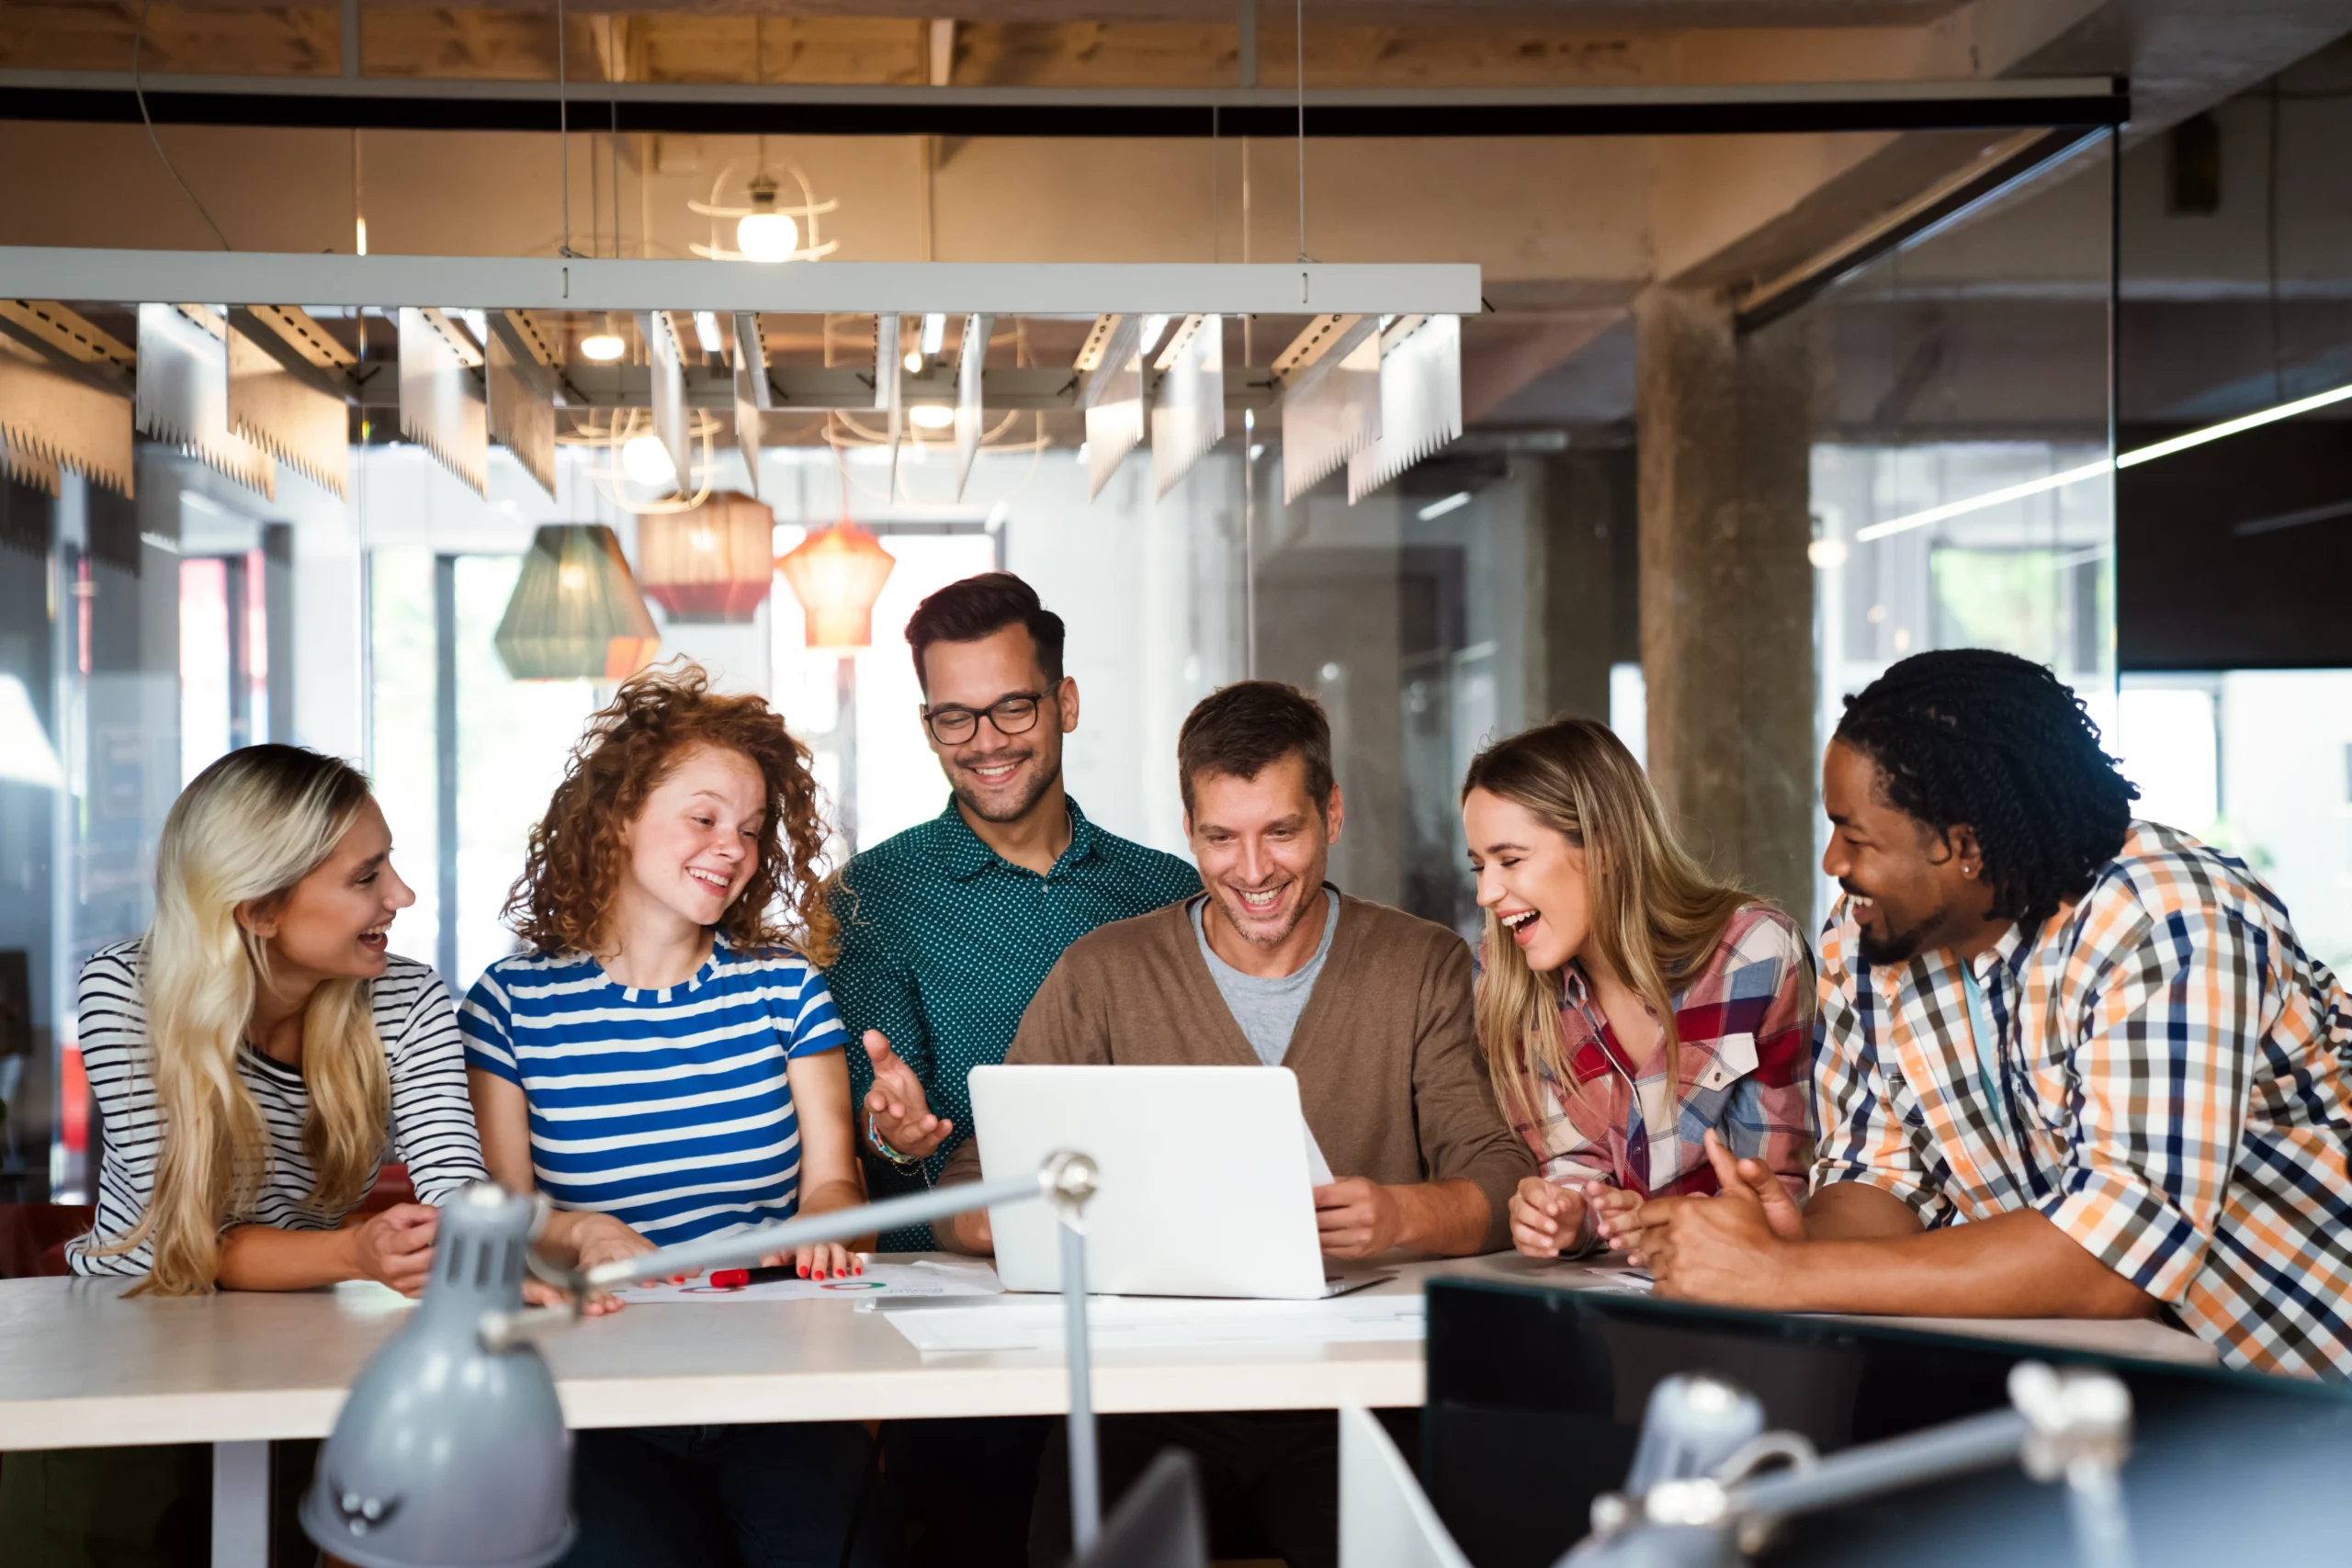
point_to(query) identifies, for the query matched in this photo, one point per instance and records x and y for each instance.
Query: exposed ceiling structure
(1568, 228)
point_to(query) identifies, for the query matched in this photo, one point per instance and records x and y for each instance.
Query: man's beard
(1257, 936)
(1902, 947)
(1040, 783)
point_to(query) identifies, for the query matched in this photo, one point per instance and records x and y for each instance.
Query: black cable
(2270, 251)
(563, 132)
(138, 44)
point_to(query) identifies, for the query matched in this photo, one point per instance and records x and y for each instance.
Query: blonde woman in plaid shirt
(1642, 1024)
(2071, 1065)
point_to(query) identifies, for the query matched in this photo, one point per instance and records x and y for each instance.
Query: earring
(1968, 871)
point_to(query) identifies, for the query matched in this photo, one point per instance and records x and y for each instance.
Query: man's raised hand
(895, 1102)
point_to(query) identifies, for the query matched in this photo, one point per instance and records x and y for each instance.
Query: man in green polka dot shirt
(949, 928)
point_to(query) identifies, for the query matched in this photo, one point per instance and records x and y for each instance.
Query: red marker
(735, 1279)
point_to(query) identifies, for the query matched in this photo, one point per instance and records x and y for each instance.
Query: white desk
(80, 1367)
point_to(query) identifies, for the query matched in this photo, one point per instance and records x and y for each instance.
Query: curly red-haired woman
(664, 1062)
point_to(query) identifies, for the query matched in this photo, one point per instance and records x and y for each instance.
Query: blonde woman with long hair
(259, 1053)
(1648, 1029)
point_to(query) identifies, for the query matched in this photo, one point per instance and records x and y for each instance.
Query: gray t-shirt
(1266, 1010)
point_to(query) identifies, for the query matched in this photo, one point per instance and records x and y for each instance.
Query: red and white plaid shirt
(1745, 1022)
(2167, 1086)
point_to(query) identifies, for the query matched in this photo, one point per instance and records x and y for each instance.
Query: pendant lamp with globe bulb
(764, 234)
(647, 462)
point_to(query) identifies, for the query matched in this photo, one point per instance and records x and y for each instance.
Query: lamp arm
(838, 1224)
(1979, 1442)
(500, 1330)
(2073, 1426)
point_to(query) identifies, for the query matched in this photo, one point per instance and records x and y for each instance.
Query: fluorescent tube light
(934, 334)
(706, 331)
(2131, 459)
(1454, 502)
(1894, 526)
(2253, 420)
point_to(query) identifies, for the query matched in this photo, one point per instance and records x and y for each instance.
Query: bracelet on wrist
(881, 1146)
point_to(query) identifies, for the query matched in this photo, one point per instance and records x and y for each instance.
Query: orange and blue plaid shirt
(2166, 1083)
(1745, 1023)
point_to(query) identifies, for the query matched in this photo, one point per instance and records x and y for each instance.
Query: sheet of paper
(1138, 1323)
(1318, 1169)
(1618, 1278)
(880, 1281)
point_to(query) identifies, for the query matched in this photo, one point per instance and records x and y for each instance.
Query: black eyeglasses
(1015, 715)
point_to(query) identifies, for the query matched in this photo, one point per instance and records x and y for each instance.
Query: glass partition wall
(1490, 586)
(1962, 487)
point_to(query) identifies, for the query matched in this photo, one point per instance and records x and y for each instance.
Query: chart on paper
(878, 1281)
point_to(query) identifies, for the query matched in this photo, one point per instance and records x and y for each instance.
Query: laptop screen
(1535, 1400)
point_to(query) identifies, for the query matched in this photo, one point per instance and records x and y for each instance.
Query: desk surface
(81, 1367)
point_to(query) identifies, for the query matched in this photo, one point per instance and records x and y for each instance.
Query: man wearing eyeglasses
(947, 930)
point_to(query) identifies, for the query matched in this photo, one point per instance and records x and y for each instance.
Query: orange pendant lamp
(837, 574)
(713, 563)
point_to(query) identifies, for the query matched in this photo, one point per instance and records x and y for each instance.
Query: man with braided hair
(2069, 1064)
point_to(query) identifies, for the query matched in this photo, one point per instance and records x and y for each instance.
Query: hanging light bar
(573, 283)
(2092, 470)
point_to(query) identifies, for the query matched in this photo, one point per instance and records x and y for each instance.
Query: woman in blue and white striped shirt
(664, 1063)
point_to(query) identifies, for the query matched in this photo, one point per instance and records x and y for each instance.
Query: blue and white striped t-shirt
(667, 1109)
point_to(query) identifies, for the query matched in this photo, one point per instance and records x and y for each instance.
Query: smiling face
(334, 924)
(1262, 847)
(697, 842)
(998, 778)
(1531, 876)
(1912, 889)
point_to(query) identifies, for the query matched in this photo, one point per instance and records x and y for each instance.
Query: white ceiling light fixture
(604, 345)
(707, 335)
(2092, 470)
(934, 334)
(1437, 509)
(932, 416)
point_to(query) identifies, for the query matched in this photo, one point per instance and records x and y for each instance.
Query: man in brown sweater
(1369, 1006)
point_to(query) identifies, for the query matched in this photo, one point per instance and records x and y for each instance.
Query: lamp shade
(576, 614)
(448, 1454)
(837, 574)
(714, 563)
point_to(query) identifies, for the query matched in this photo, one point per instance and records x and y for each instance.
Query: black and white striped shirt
(432, 1118)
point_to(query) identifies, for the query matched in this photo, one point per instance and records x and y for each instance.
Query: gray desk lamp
(1699, 1495)
(451, 1451)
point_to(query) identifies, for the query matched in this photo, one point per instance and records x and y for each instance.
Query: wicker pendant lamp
(713, 563)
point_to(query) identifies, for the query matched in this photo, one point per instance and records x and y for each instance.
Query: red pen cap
(729, 1279)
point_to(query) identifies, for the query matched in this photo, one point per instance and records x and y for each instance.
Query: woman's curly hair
(1998, 742)
(564, 898)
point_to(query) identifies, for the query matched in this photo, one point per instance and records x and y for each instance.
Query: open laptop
(1204, 1188)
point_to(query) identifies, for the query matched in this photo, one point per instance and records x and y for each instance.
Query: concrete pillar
(1577, 617)
(1727, 590)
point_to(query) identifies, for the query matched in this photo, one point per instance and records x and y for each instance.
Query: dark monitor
(1158, 1524)
(1535, 1399)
